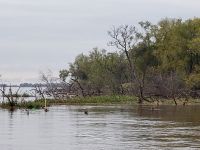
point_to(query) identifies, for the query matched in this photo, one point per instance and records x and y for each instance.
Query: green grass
(38, 104)
(114, 99)
(24, 105)
(94, 100)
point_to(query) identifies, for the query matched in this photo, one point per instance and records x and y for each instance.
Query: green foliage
(63, 74)
(98, 71)
(178, 48)
(37, 104)
(161, 59)
(112, 99)
(193, 80)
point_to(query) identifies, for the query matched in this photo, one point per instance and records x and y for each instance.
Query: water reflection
(105, 127)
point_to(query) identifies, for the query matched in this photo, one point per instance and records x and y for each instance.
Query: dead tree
(12, 98)
(38, 90)
(125, 38)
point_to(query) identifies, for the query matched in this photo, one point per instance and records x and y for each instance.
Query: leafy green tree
(160, 60)
(177, 52)
(117, 73)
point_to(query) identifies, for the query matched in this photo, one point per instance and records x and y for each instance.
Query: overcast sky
(37, 35)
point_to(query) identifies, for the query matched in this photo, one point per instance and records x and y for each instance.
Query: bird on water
(85, 112)
(46, 110)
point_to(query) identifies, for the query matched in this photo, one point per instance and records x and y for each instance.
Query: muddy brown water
(113, 127)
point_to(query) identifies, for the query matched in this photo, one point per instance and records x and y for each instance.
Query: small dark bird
(46, 110)
(86, 112)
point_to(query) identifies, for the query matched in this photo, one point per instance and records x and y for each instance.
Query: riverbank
(96, 100)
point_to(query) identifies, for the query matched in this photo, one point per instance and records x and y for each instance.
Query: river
(113, 127)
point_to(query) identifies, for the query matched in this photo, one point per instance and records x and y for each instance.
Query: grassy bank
(96, 100)
(38, 104)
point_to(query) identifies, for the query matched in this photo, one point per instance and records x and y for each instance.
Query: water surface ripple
(112, 127)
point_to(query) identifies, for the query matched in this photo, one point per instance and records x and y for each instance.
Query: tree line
(153, 61)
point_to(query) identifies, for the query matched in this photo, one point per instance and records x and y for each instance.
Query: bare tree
(54, 86)
(49, 81)
(38, 91)
(125, 38)
(12, 97)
